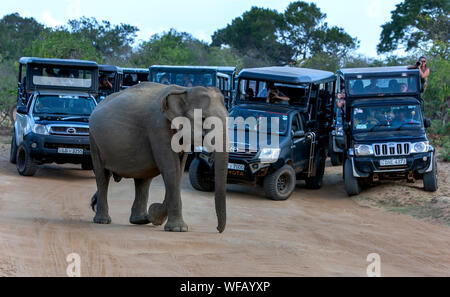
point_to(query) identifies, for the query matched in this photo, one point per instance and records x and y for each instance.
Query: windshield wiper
(406, 124)
(377, 126)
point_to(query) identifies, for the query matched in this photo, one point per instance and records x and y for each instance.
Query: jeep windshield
(184, 79)
(386, 118)
(64, 105)
(259, 121)
(401, 84)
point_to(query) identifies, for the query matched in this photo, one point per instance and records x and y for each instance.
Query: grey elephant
(130, 136)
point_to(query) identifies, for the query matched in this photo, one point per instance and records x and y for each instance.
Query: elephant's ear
(174, 102)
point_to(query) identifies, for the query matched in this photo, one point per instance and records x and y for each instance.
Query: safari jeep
(206, 76)
(301, 126)
(385, 129)
(110, 80)
(55, 101)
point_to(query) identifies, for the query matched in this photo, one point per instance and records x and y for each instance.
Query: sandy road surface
(315, 233)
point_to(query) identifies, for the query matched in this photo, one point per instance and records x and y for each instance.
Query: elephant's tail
(94, 201)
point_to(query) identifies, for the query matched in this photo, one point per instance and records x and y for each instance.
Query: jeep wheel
(336, 158)
(315, 182)
(280, 184)
(199, 177)
(431, 179)
(352, 185)
(13, 150)
(26, 166)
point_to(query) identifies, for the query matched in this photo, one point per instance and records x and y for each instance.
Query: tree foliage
(256, 34)
(17, 35)
(180, 48)
(417, 24)
(114, 42)
(62, 44)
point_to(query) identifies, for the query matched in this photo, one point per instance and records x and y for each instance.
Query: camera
(418, 64)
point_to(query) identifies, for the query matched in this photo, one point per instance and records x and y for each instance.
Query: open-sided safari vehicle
(274, 144)
(192, 76)
(54, 103)
(110, 80)
(134, 76)
(385, 128)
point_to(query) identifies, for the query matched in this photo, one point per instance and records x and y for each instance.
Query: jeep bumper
(44, 148)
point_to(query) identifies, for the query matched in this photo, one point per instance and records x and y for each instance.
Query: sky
(360, 18)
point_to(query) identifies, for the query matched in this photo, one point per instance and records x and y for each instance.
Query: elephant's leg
(102, 177)
(102, 210)
(158, 211)
(139, 214)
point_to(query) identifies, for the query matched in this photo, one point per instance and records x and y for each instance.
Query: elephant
(130, 137)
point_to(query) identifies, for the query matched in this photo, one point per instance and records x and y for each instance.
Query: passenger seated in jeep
(373, 87)
(275, 96)
(249, 94)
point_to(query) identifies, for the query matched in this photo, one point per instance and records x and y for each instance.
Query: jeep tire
(316, 182)
(199, 177)
(352, 185)
(280, 184)
(26, 165)
(431, 179)
(13, 149)
(336, 158)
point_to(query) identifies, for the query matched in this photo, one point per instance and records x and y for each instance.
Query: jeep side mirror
(427, 123)
(299, 134)
(22, 109)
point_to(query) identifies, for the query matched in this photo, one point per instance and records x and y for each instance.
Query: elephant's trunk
(221, 172)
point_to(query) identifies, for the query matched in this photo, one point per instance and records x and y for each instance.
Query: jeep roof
(289, 75)
(135, 70)
(58, 62)
(376, 70)
(110, 68)
(62, 93)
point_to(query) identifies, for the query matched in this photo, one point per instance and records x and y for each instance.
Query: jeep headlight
(363, 150)
(269, 155)
(40, 129)
(420, 147)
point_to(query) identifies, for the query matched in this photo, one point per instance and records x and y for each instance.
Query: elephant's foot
(101, 219)
(157, 214)
(139, 219)
(176, 226)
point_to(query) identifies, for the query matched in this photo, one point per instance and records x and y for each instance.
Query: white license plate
(239, 167)
(393, 162)
(70, 151)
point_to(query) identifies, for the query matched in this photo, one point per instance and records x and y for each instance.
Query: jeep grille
(391, 149)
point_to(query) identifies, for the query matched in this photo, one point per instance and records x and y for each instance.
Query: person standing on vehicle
(423, 69)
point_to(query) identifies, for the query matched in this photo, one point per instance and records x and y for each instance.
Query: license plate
(393, 162)
(239, 167)
(70, 151)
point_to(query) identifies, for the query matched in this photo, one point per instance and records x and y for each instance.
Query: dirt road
(315, 233)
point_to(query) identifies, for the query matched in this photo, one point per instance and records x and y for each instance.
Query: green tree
(62, 44)
(256, 34)
(308, 33)
(17, 34)
(437, 93)
(417, 24)
(180, 48)
(113, 41)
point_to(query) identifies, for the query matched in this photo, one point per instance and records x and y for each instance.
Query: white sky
(201, 18)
